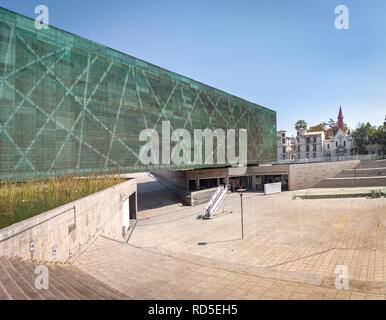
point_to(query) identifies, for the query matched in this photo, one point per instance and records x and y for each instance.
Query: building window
(283, 156)
(307, 148)
(314, 147)
(283, 149)
(307, 155)
(336, 143)
(297, 139)
(283, 135)
(208, 183)
(298, 148)
(314, 155)
(192, 184)
(308, 140)
(328, 146)
(283, 141)
(344, 143)
(314, 139)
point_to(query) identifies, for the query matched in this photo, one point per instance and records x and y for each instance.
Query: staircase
(215, 201)
(365, 174)
(66, 282)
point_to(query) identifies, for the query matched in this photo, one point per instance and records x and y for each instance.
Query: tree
(334, 129)
(331, 123)
(378, 136)
(300, 124)
(319, 127)
(367, 134)
(363, 137)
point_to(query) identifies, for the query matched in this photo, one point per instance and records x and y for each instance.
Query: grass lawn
(22, 200)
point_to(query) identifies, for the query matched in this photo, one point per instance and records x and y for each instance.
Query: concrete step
(25, 284)
(80, 285)
(372, 164)
(351, 182)
(4, 294)
(368, 172)
(102, 289)
(30, 277)
(66, 282)
(67, 292)
(53, 288)
(9, 284)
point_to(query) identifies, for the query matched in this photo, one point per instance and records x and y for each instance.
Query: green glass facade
(71, 106)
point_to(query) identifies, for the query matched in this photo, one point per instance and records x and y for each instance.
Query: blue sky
(284, 55)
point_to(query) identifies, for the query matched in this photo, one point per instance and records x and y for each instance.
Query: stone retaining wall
(175, 182)
(58, 235)
(201, 196)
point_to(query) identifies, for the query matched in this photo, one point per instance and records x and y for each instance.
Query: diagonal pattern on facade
(71, 106)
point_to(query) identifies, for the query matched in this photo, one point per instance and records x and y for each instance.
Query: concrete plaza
(290, 249)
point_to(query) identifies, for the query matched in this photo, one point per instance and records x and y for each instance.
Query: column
(254, 182)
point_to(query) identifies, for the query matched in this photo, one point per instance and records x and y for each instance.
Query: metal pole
(242, 213)
(242, 217)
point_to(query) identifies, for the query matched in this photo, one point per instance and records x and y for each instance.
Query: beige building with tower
(285, 146)
(315, 146)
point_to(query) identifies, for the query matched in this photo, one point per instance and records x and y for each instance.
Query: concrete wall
(70, 228)
(307, 175)
(207, 173)
(178, 183)
(176, 178)
(175, 181)
(268, 170)
(201, 196)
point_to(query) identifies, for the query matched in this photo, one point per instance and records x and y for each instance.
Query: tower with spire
(341, 143)
(340, 119)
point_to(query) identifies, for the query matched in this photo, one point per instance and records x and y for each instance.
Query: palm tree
(300, 124)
